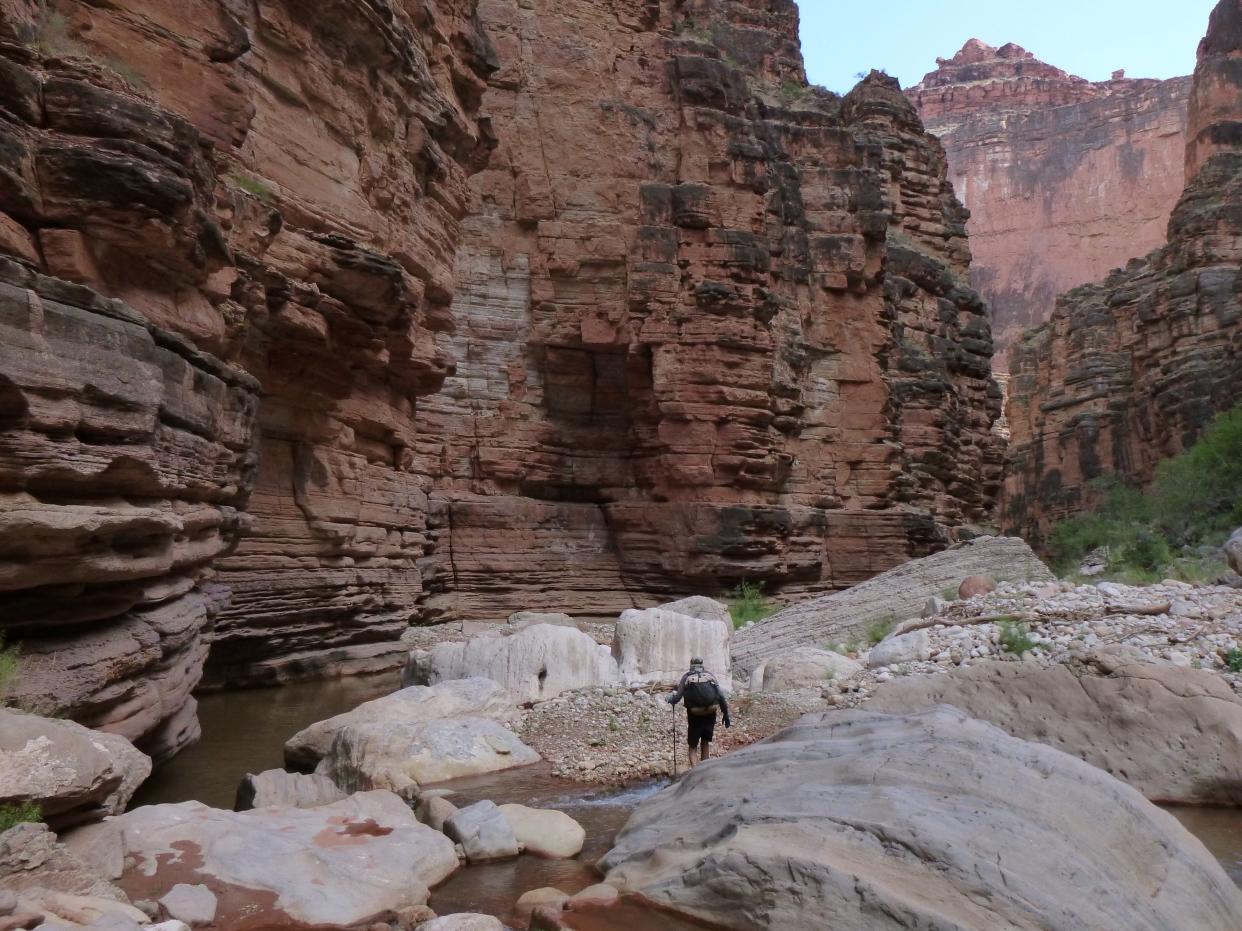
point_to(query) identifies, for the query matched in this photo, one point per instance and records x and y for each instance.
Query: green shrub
(23, 813)
(1193, 502)
(10, 668)
(1015, 638)
(879, 628)
(1233, 660)
(252, 186)
(746, 603)
(53, 39)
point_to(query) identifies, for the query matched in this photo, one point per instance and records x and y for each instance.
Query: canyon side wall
(1129, 370)
(1065, 179)
(323, 322)
(712, 325)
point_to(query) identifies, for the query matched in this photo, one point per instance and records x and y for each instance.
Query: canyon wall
(1129, 370)
(1065, 179)
(323, 322)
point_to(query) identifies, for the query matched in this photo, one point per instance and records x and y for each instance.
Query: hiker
(703, 696)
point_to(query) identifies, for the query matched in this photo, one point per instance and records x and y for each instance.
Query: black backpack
(701, 693)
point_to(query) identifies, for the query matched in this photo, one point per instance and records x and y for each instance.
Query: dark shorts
(702, 727)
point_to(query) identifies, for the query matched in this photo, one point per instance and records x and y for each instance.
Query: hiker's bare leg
(704, 750)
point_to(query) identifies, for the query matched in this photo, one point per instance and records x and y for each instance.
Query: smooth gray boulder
(274, 788)
(545, 831)
(877, 822)
(483, 832)
(73, 773)
(193, 904)
(1173, 733)
(479, 698)
(805, 667)
(1233, 551)
(900, 648)
(346, 864)
(888, 598)
(535, 663)
(702, 607)
(655, 646)
(463, 922)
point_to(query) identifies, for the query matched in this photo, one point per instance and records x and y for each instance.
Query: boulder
(531, 618)
(655, 646)
(483, 832)
(1173, 733)
(400, 756)
(974, 585)
(533, 664)
(806, 667)
(545, 897)
(73, 773)
(912, 647)
(463, 922)
(544, 831)
(434, 811)
(871, 821)
(702, 607)
(899, 593)
(353, 862)
(1233, 551)
(481, 698)
(193, 904)
(596, 895)
(41, 877)
(275, 788)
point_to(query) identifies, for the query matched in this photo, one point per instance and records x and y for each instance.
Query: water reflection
(1220, 829)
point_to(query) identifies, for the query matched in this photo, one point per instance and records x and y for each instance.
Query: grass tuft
(20, 813)
(747, 603)
(1015, 638)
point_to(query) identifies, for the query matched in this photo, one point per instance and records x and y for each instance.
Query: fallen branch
(919, 623)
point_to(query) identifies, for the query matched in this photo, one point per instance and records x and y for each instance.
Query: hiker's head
(697, 661)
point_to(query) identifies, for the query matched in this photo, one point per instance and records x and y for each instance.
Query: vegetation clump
(10, 669)
(1233, 660)
(1015, 638)
(747, 604)
(1169, 529)
(879, 628)
(21, 813)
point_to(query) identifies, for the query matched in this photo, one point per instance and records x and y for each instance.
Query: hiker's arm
(724, 708)
(676, 696)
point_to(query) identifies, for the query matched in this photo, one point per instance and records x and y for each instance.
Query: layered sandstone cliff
(484, 306)
(1065, 179)
(1129, 370)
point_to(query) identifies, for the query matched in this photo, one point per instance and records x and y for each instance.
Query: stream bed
(245, 731)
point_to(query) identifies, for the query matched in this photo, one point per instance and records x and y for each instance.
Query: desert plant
(252, 186)
(746, 603)
(19, 813)
(880, 627)
(53, 36)
(1015, 637)
(10, 668)
(1233, 660)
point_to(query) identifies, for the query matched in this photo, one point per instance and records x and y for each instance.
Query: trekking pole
(674, 741)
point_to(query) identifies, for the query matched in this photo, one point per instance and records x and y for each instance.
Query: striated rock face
(525, 337)
(1065, 179)
(1128, 371)
(711, 325)
(283, 192)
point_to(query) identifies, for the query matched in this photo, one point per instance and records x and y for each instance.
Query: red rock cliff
(560, 305)
(1129, 370)
(1065, 179)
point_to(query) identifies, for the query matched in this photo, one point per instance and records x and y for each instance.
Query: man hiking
(703, 696)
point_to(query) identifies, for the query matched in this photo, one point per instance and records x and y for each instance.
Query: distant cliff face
(413, 309)
(1129, 370)
(1064, 179)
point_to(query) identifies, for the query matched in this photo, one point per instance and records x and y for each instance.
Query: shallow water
(245, 731)
(1220, 829)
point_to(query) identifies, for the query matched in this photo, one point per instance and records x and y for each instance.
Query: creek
(245, 731)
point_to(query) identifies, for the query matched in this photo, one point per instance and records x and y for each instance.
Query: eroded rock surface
(1065, 179)
(1129, 370)
(873, 821)
(1173, 733)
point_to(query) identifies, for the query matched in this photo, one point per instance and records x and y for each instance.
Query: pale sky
(1090, 38)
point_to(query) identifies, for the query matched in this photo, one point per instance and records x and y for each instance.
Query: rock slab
(871, 821)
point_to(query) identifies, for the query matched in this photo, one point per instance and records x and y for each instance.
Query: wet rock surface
(812, 840)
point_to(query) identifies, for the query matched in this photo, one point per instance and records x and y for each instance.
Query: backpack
(701, 693)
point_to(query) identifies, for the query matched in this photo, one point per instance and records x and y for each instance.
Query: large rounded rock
(1175, 734)
(463, 922)
(73, 773)
(275, 788)
(481, 698)
(805, 667)
(900, 648)
(483, 832)
(1233, 551)
(352, 863)
(544, 831)
(537, 662)
(870, 821)
(702, 607)
(655, 646)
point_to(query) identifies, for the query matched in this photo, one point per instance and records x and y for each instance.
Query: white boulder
(1233, 551)
(700, 606)
(805, 667)
(463, 922)
(193, 904)
(913, 647)
(483, 832)
(274, 788)
(537, 662)
(655, 646)
(544, 831)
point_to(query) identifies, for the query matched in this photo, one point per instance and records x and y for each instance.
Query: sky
(1090, 38)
